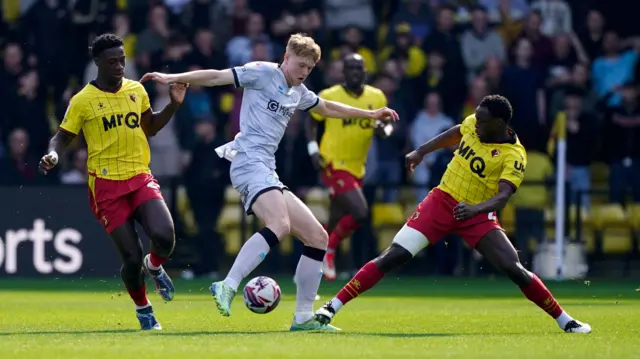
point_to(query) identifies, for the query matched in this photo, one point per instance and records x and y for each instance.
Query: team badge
(495, 153)
(132, 97)
(100, 105)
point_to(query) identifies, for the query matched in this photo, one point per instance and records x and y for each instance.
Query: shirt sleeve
(513, 170)
(315, 116)
(146, 103)
(468, 125)
(308, 99)
(252, 75)
(74, 117)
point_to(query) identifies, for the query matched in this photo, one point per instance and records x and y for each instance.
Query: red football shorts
(114, 202)
(339, 181)
(434, 219)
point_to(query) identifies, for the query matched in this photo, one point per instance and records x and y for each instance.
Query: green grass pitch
(401, 318)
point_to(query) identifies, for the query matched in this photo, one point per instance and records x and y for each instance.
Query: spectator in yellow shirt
(403, 49)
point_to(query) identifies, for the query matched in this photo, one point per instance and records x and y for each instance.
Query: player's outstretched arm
(448, 138)
(465, 211)
(332, 109)
(58, 144)
(207, 78)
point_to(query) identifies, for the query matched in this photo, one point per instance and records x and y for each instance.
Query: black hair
(105, 42)
(498, 106)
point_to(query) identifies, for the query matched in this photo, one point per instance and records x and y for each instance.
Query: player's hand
(385, 113)
(464, 211)
(157, 77)
(412, 159)
(177, 92)
(48, 162)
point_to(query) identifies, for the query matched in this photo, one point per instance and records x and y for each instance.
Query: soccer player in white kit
(272, 93)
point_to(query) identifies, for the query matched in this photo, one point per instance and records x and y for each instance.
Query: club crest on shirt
(495, 153)
(132, 97)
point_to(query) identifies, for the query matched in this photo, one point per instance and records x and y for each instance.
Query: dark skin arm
(465, 211)
(59, 144)
(153, 122)
(446, 139)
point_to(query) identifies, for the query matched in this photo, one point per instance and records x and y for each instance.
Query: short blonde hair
(304, 46)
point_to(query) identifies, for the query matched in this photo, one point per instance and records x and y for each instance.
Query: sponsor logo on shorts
(153, 185)
(414, 216)
(105, 221)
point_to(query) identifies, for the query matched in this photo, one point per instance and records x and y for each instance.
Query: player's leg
(349, 197)
(155, 218)
(336, 213)
(431, 221)
(309, 271)
(270, 207)
(406, 244)
(498, 250)
(129, 248)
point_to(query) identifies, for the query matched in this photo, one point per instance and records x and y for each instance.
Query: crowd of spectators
(558, 61)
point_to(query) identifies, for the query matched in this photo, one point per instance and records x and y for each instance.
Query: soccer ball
(261, 295)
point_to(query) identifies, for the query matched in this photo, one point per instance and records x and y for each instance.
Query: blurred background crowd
(558, 62)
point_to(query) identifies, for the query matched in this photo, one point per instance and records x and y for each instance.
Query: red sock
(139, 295)
(343, 229)
(156, 260)
(538, 293)
(365, 279)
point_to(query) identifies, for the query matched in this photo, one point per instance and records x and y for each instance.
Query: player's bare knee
(360, 215)
(517, 273)
(392, 258)
(279, 225)
(163, 238)
(317, 238)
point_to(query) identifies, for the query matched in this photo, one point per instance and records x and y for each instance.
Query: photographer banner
(50, 231)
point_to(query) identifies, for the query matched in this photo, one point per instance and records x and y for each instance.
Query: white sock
(336, 304)
(308, 276)
(563, 319)
(149, 265)
(251, 255)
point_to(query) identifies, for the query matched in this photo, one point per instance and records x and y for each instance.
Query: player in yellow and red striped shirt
(115, 116)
